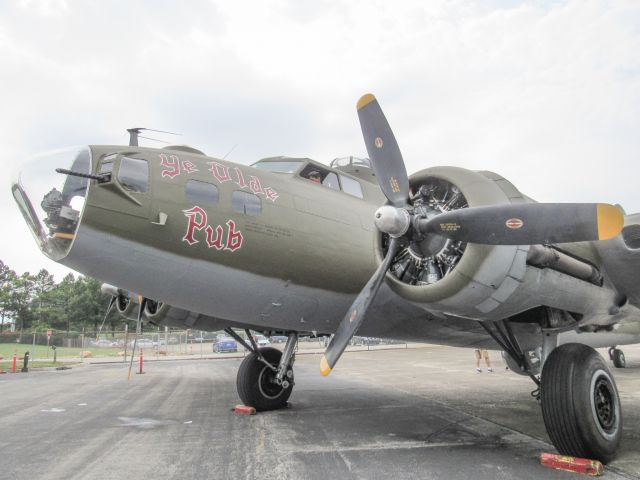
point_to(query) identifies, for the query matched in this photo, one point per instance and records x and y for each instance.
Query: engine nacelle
(468, 280)
(621, 259)
(127, 303)
(160, 313)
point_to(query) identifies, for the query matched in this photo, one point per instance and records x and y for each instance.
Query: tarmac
(420, 412)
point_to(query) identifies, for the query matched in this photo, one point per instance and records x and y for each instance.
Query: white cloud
(545, 93)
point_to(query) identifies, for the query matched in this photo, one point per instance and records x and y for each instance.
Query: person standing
(481, 352)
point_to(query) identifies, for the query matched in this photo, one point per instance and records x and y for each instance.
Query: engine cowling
(451, 277)
(621, 260)
(160, 313)
(127, 303)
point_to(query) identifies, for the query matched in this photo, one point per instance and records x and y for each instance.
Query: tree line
(37, 302)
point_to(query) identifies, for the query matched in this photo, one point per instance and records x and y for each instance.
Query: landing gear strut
(265, 377)
(580, 403)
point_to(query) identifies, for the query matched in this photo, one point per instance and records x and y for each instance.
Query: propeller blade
(383, 151)
(355, 315)
(528, 223)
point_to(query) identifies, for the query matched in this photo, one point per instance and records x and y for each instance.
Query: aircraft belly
(202, 286)
(220, 292)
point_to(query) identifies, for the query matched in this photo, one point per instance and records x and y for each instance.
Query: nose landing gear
(265, 377)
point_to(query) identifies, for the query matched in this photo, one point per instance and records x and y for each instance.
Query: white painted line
(54, 410)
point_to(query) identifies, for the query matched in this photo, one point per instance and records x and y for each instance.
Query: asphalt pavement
(405, 413)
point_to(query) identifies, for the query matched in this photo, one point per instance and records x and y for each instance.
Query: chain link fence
(157, 342)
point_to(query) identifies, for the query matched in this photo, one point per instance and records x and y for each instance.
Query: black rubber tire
(580, 403)
(618, 359)
(254, 384)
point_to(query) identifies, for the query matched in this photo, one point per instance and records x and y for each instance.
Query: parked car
(101, 343)
(261, 340)
(225, 344)
(278, 339)
(142, 343)
(365, 341)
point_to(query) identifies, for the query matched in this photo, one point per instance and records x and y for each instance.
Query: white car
(142, 343)
(261, 340)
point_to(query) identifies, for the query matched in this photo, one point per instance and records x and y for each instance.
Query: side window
(199, 192)
(106, 165)
(246, 203)
(134, 174)
(351, 186)
(331, 181)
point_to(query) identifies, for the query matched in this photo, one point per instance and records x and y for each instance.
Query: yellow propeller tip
(325, 369)
(365, 100)
(610, 221)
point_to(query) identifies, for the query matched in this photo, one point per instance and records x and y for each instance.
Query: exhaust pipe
(542, 256)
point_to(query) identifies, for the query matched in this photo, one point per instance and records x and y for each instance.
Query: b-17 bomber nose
(51, 202)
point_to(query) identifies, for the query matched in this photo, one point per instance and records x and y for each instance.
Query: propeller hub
(392, 221)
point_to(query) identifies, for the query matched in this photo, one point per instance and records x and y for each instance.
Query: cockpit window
(134, 174)
(319, 175)
(351, 186)
(280, 167)
(331, 181)
(106, 164)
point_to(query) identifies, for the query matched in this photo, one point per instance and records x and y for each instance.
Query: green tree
(37, 301)
(88, 304)
(43, 284)
(59, 299)
(7, 281)
(20, 301)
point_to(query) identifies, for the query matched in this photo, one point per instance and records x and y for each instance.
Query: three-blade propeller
(507, 224)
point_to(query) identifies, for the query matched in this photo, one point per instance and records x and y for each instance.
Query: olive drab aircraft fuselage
(292, 246)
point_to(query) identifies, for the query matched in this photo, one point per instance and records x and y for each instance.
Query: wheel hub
(268, 385)
(604, 403)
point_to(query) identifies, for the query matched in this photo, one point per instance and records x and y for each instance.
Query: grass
(4, 365)
(41, 351)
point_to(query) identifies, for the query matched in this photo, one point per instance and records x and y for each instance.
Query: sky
(545, 93)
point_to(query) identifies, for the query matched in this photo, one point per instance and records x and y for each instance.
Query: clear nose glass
(50, 202)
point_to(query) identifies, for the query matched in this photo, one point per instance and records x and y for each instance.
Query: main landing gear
(265, 377)
(580, 402)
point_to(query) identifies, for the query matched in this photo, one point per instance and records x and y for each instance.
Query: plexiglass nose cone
(52, 203)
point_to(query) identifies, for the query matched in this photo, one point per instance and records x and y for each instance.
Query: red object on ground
(585, 466)
(244, 410)
(14, 366)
